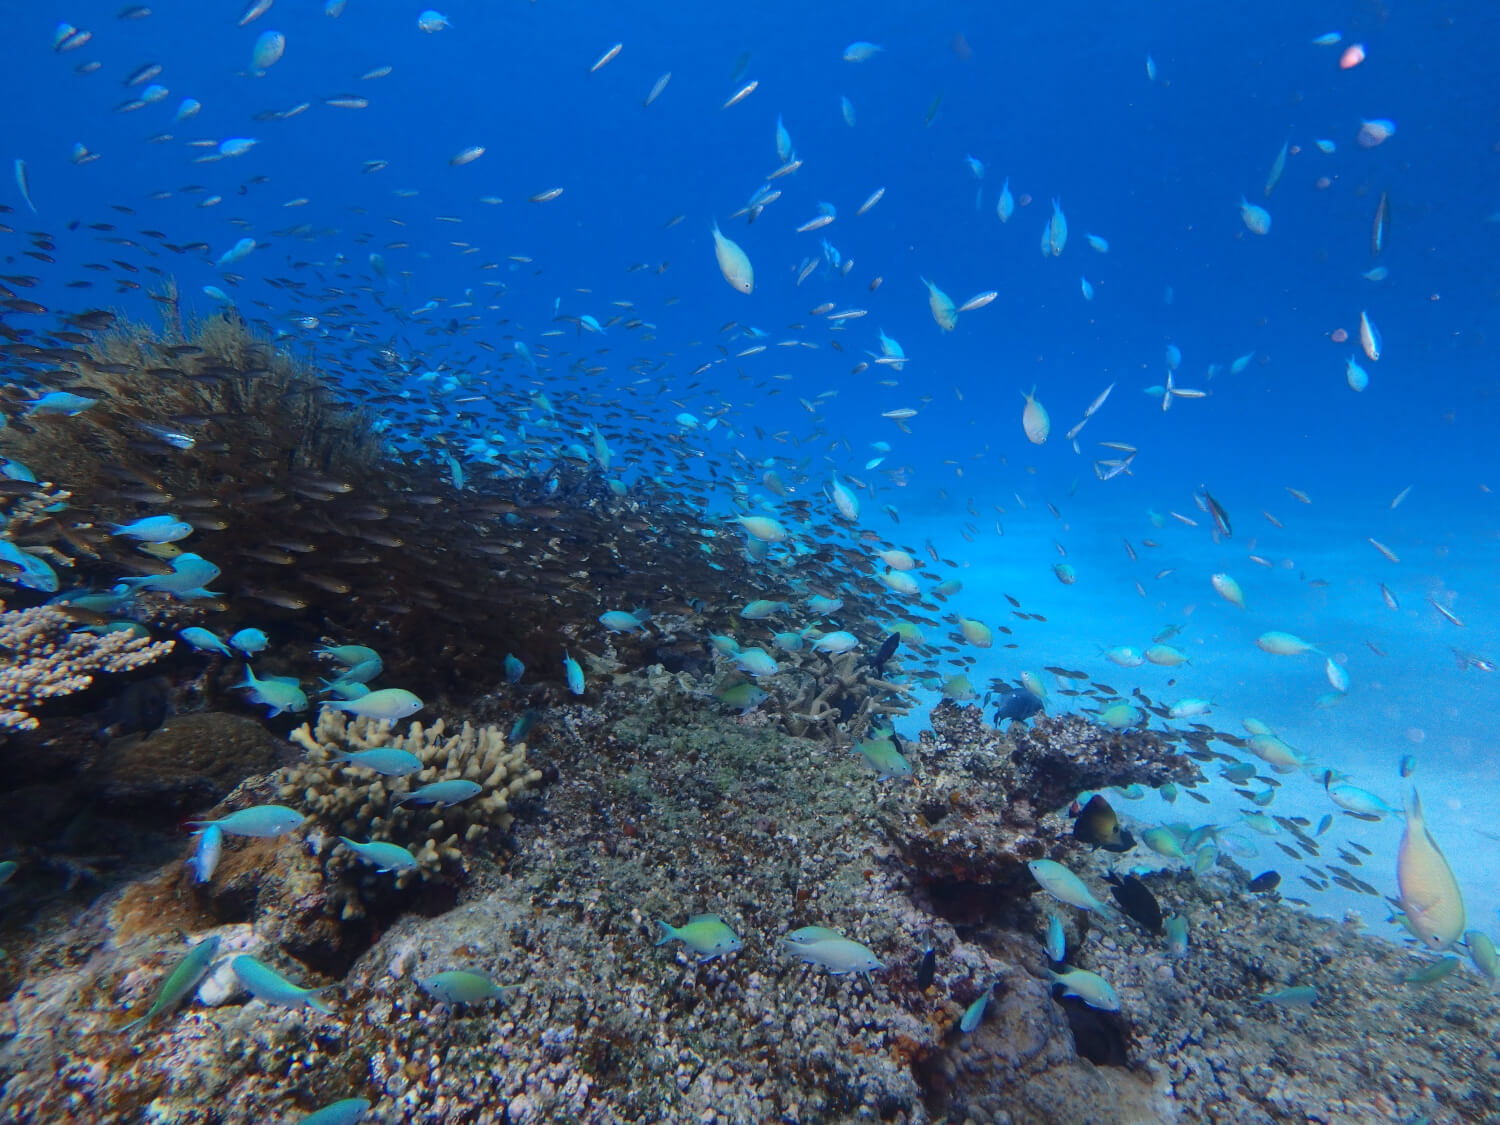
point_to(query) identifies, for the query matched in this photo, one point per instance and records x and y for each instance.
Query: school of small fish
(480, 350)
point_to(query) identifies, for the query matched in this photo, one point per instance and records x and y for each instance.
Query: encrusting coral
(45, 657)
(362, 804)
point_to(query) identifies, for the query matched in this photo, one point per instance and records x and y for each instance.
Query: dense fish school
(541, 583)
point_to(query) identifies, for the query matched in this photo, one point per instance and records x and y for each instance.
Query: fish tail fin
(667, 933)
(314, 1002)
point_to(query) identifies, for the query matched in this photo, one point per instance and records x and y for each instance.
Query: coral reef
(326, 526)
(46, 656)
(664, 808)
(982, 813)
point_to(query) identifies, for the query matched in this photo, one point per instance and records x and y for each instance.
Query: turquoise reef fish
(249, 641)
(383, 855)
(389, 761)
(974, 1013)
(269, 986)
(882, 756)
(348, 655)
(460, 986)
(705, 934)
(1067, 887)
(190, 575)
(837, 955)
(574, 674)
(1294, 996)
(389, 704)
(182, 980)
(618, 621)
(346, 1111)
(203, 640)
(257, 820)
(443, 793)
(279, 693)
(154, 529)
(1089, 987)
(206, 854)
(35, 574)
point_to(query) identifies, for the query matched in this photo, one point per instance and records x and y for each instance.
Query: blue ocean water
(1058, 101)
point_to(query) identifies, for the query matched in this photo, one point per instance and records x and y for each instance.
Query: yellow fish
(1429, 892)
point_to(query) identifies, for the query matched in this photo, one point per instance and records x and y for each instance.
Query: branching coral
(44, 657)
(844, 696)
(361, 804)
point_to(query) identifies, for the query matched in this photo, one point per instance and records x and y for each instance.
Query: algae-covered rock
(190, 763)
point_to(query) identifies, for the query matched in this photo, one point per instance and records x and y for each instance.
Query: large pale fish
(1257, 220)
(943, 309)
(1057, 229)
(733, 263)
(1034, 420)
(1429, 893)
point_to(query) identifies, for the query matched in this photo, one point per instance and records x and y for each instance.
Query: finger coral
(352, 801)
(42, 657)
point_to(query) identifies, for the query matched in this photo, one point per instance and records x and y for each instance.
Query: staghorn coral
(360, 804)
(46, 658)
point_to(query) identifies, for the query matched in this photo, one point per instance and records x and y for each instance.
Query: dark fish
(1221, 517)
(138, 709)
(1265, 881)
(1098, 825)
(927, 969)
(1018, 705)
(1136, 899)
(886, 650)
(1380, 227)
